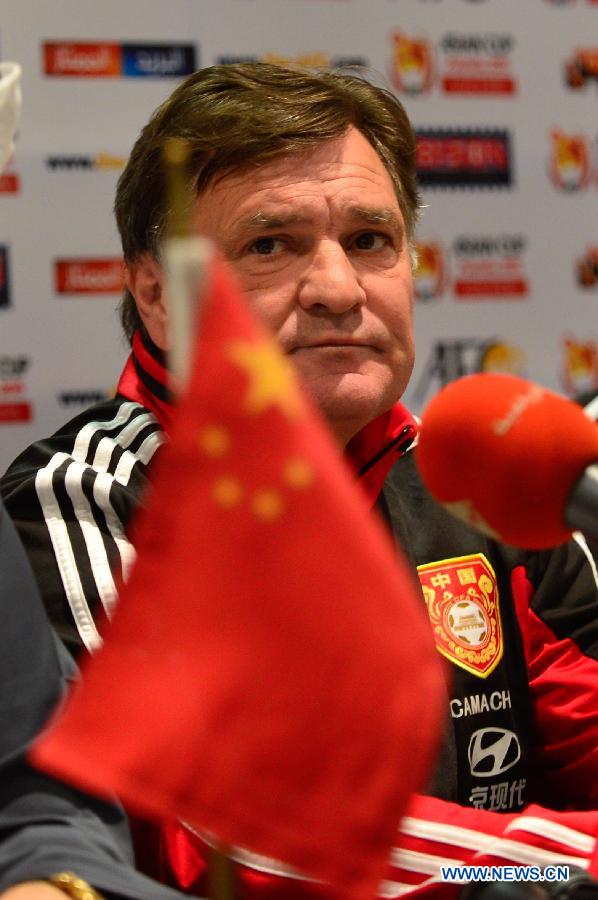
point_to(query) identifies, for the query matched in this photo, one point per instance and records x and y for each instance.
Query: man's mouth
(338, 343)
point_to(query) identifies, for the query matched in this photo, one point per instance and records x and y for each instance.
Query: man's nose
(330, 281)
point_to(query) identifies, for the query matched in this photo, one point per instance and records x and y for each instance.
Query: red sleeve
(432, 835)
(436, 833)
(563, 681)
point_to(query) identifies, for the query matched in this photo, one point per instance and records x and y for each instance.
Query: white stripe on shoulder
(122, 475)
(425, 863)
(124, 438)
(452, 835)
(94, 542)
(84, 513)
(581, 541)
(143, 454)
(83, 439)
(63, 552)
(390, 889)
(485, 843)
(101, 493)
(535, 856)
(554, 831)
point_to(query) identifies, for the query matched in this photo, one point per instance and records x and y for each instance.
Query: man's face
(317, 240)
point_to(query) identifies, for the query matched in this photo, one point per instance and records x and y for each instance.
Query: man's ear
(145, 280)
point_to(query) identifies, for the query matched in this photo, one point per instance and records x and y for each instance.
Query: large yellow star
(272, 381)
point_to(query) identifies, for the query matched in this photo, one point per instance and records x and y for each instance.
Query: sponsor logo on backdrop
(309, 60)
(453, 358)
(81, 397)
(570, 160)
(412, 63)
(478, 63)
(462, 63)
(14, 405)
(580, 365)
(461, 595)
(586, 268)
(10, 181)
(490, 267)
(484, 267)
(430, 275)
(83, 59)
(501, 356)
(89, 276)
(4, 277)
(464, 157)
(581, 68)
(98, 162)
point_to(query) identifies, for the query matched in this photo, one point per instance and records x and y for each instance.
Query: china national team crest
(462, 599)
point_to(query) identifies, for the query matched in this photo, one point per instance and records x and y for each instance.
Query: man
(306, 182)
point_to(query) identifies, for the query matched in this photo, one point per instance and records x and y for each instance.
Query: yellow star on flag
(272, 381)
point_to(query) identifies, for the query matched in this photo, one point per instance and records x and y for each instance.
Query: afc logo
(451, 359)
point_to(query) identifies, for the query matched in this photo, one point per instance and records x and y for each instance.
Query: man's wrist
(73, 886)
(32, 890)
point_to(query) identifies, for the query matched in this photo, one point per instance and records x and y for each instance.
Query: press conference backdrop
(504, 97)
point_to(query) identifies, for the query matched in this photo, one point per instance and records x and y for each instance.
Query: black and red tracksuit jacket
(517, 776)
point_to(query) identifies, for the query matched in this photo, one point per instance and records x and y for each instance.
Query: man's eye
(266, 246)
(371, 240)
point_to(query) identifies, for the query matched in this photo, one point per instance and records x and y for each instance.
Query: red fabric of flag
(269, 675)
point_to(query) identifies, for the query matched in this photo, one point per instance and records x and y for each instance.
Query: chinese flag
(270, 675)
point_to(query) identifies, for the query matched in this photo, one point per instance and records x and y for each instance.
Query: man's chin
(351, 404)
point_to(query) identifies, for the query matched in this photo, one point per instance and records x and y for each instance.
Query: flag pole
(221, 874)
(186, 258)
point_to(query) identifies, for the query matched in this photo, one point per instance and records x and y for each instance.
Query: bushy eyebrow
(377, 215)
(371, 215)
(249, 225)
(266, 221)
(258, 221)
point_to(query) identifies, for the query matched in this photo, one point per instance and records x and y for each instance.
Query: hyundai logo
(492, 751)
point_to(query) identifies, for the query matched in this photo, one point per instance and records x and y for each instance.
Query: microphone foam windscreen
(504, 454)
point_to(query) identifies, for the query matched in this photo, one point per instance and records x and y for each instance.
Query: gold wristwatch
(73, 886)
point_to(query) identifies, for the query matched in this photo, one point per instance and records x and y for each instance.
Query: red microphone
(511, 458)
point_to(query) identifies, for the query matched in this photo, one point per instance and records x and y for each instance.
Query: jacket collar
(371, 453)
(144, 378)
(375, 449)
